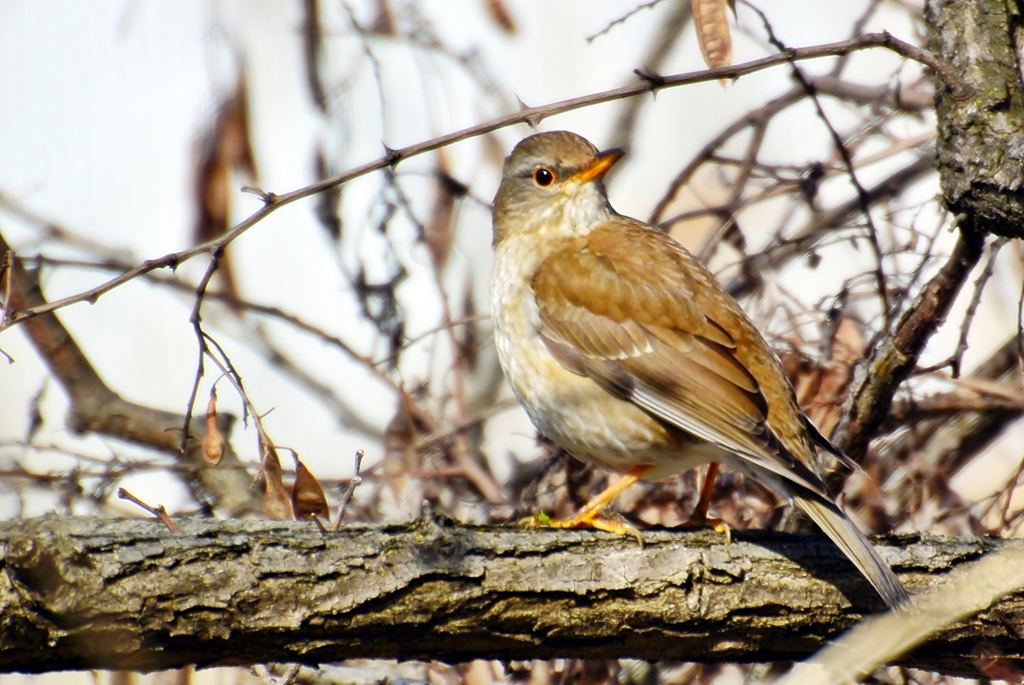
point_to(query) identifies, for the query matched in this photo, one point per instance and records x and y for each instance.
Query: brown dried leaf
(35, 413)
(277, 504)
(994, 665)
(821, 390)
(402, 464)
(313, 49)
(439, 231)
(328, 203)
(225, 147)
(383, 22)
(213, 441)
(847, 348)
(469, 342)
(500, 15)
(308, 499)
(710, 19)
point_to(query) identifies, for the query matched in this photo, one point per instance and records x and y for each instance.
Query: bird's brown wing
(629, 308)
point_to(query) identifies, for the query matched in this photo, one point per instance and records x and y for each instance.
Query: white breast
(571, 410)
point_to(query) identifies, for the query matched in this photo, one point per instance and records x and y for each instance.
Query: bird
(626, 352)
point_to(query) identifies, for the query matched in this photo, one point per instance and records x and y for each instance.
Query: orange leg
(589, 515)
(700, 518)
(704, 503)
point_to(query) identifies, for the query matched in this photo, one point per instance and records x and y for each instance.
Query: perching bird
(626, 352)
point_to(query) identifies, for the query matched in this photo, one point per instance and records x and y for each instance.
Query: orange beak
(599, 167)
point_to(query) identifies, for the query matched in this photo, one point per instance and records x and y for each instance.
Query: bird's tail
(855, 545)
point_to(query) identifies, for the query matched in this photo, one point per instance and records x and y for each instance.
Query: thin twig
(196, 321)
(955, 360)
(794, 247)
(157, 511)
(357, 479)
(847, 158)
(754, 118)
(474, 470)
(739, 185)
(621, 20)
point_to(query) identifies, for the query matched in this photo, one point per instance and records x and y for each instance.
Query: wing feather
(634, 317)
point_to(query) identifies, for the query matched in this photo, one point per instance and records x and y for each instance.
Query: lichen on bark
(980, 146)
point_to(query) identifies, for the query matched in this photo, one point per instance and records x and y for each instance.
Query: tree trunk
(980, 156)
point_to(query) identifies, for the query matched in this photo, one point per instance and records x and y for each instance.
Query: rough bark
(980, 143)
(90, 593)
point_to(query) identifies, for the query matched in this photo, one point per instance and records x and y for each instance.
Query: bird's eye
(543, 177)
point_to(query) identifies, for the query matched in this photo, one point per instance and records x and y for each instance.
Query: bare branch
(533, 115)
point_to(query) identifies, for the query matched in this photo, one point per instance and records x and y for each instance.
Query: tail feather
(855, 545)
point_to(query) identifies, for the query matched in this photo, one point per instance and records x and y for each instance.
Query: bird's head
(551, 184)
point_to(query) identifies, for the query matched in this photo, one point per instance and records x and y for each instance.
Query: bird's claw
(585, 519)
(718, 525)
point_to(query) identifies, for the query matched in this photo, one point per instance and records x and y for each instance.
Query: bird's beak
(599, 167)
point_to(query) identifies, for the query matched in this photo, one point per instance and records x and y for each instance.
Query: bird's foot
(585, 518)
(699, 522)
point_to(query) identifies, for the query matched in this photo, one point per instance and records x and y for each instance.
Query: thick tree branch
(895, 356)
(980, 158)
(95, 408)
(88, 593)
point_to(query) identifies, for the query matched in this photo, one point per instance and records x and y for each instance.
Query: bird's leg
(700, 518)
(589, 515)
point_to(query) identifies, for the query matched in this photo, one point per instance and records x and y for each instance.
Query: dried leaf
(328, 204)
(383, 22)
(500, 15)
(468, 340)
(313, 49)
(35, 415)
(277, 504)
(439, 231)
(710, 18)
(994, 665)
(225, 147)
(213, 441)
(847, 347)
(308, 498)
(821, 390)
